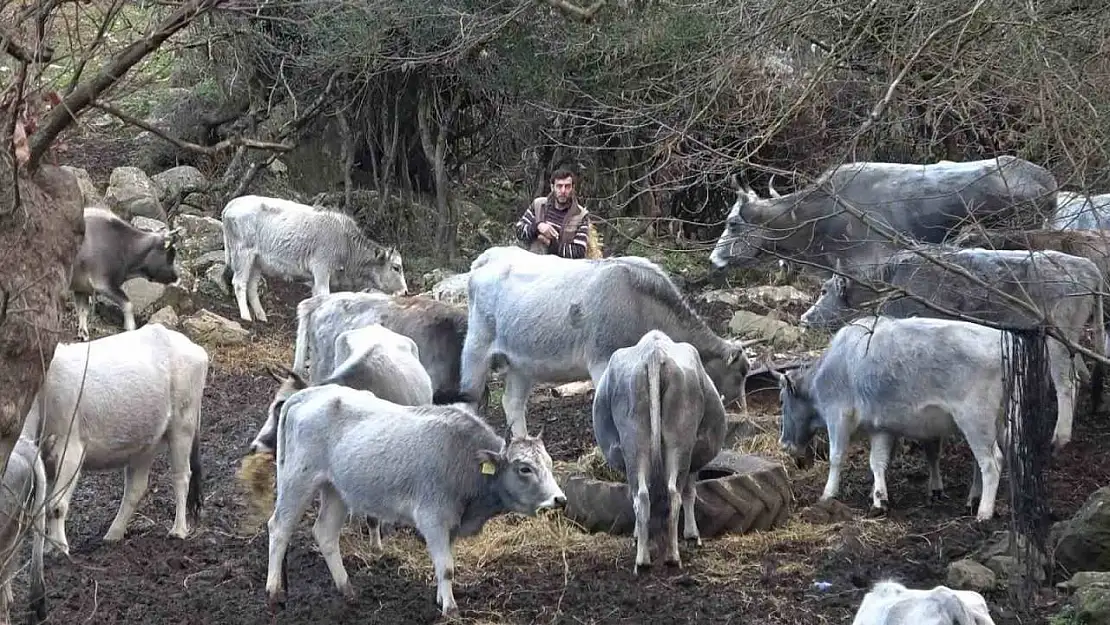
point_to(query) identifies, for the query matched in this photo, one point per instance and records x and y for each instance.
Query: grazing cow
(922, 202)
(1067, 288)
(113, 252)
(440, 469)
(1080, 212)
(659, 419)
(919, 378)
(557, 320)
(274, 237)
(891, 603)
(23, 498)
(438, 329)
(372, 358)
(113, 403)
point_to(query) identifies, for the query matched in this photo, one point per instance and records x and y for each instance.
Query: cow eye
(525, 470)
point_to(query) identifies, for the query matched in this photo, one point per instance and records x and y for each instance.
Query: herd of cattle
(380, 414)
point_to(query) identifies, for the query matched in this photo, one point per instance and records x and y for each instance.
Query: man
(556, 224)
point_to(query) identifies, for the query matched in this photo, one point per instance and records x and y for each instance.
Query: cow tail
(228, 271)
(659, 499)
(195, 498)
(38, 583)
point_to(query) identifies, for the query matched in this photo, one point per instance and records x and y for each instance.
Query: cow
(1067, 288)
(925, 203)
(558, 320)
(371, 358)
(275, 237)
(919, 378)
(113, 403)
(440, 469)
(1076, 211)
(659, 419)
(22, 498)
(890, 603)
(113, 252)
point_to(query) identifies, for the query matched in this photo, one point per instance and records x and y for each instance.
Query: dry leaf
(19, 140)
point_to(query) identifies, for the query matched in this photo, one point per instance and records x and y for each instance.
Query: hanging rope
(1030, 418)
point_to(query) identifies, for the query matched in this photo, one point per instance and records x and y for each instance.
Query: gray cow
(920, 378)
(115, 403)
(275, 237)
(1080, 212)
(438, 329)
(891, 603)
(551, 319)
(22, 498)
(440, 469)
(113, 252)
(923, 202)
(372, 358)
(1065, 287)
(659, 419)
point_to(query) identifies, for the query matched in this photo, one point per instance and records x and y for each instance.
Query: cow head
(739, 244)
(266, 439)
(381, 269)
(729, 371)
(800, 418)
(521, 475)
(833, 306)
(157, 264)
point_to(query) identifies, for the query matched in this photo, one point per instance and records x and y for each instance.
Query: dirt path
(523, 571)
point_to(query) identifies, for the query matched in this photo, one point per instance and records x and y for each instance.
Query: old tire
(737, 493)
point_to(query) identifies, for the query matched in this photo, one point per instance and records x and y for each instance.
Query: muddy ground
(520, 571)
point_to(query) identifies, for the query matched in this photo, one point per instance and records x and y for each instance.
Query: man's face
(563, 188)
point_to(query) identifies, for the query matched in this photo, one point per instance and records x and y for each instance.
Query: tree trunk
(436, 152)
(38, 242)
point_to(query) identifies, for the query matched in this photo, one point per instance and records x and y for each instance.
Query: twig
(208, 150)
(584, 14)
(43, 55)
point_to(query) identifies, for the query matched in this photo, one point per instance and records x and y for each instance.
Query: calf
(274, 237)
(659, 419)
(441, 469)
(22, 496)
(438, 329)
(551, 319)
(891, 603)
(113, 252)
(918, 378)
(113, 403)
(372, 358)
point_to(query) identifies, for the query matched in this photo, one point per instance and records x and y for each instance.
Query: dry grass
(254, 355)
(257, 475)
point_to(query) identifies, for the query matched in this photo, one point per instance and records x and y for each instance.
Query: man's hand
(543, 238)
(546, 229)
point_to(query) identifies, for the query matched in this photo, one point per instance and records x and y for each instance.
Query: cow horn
(771, 187)
(749, 342)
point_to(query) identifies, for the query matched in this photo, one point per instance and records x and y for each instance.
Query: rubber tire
(739, 493)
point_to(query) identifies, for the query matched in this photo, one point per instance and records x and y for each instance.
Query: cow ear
(784, 381)
(539, 434)
(488, 461)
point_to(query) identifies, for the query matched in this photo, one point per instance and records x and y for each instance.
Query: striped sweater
(574, 248)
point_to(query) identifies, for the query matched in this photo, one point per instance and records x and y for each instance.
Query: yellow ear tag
(488, 468)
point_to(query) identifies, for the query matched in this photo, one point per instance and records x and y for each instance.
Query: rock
(726, 296)
(131, 193)
(208, 328)
(1083, 542)
(995, 554)
(1086, 578)
(1092, 605)
(178, 298)
(452, 290)
(170, 182)
(201, 263)
(89, 192)
(572, 389)
(165, 316)
(752, 326)
(143, 294)
(212, 284)
(199, 235)
(826, 512)
(149, 225)
(967, 574)
(776, 296)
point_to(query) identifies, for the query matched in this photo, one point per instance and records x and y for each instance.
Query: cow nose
(560, 501)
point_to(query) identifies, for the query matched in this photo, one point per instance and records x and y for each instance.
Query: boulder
(199, 236)
(170, 182)
(131, 193)
(967, 574)
(452, 290)
(776, 296)
(143, 294)
(89, 192)
(1083, 542)
(150, 225)
(165, 316)
(209, 329)
(780, 334)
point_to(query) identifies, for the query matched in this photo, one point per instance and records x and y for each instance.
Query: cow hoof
(113, 536)
(640, 568)
(350, 595)
(276, 601)
(673, 562)
(179, 533)
(880, 510)
(695, 539)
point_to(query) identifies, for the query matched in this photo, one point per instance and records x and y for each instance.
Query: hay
(592, 464)
(258, 475)
(593, 243)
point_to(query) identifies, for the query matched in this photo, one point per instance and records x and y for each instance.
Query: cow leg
(641, 507)
(82, 303)
(839, 439)
(252, 293)
(990, 461)
(321, 280)
(933, 449)
(1063, 375)
(180, 444)
(672, 462)
(65, 481)
(117, 296)
(881, 447)
(329, 522)
(136, 477)
(689, 497)
(294, 494)
(440, 548)
(242, 262)
(515, 402)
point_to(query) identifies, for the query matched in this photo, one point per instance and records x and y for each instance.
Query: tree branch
(44, 55)
(209, 150)
(61, 116)
(584, 14)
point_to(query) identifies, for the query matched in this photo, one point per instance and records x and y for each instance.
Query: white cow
(891, 603)
(275, 237)
(22, 498)
(113, 403)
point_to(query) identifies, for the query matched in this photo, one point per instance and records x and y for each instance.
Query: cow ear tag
(488, 468)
